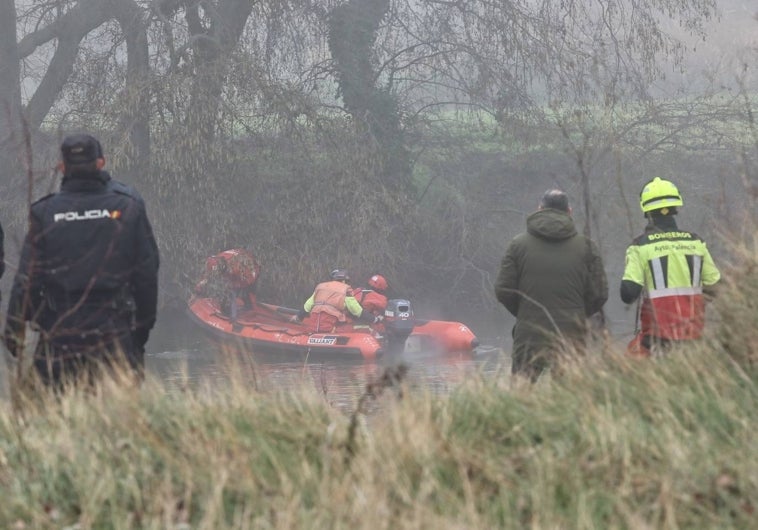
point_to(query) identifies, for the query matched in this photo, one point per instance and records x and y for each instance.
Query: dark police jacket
(89, 257)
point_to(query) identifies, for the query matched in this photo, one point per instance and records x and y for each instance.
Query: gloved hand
(294, 318)
(378, 319)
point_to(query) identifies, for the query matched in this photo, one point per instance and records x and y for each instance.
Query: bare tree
(10, 90)
(231, 106)
(353, 28)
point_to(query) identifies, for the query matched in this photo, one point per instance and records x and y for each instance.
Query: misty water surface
(340, 381)
(180, 355)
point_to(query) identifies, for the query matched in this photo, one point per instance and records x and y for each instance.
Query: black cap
(555, 199)
(80, 149)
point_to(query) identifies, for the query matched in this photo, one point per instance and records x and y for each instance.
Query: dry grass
(611, 442)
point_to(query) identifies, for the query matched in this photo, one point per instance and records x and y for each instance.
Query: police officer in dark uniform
(88, 276)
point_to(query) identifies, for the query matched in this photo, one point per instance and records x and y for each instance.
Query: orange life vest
(329, 297)
(371, 300)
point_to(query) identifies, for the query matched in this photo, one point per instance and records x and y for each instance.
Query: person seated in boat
(229, 276)
(331, 303)
(373, 298)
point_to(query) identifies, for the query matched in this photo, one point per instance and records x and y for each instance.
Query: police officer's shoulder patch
(42, 199)
(126, 193)
(640, 240)
(125, 189)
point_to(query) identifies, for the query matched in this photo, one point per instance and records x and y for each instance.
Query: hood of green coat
(550, 224)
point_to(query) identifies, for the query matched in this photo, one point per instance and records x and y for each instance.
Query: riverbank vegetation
(610, 442)
(413, 144)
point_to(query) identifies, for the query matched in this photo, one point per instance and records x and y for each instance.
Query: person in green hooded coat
(551, 279)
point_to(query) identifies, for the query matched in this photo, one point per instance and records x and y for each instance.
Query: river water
(180, 355)
(340, 381)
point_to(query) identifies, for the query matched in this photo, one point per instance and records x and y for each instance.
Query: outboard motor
(398, 324)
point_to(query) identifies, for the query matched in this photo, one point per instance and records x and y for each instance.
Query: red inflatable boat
(268, 327)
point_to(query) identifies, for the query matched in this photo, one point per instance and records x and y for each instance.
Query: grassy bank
(613, 442)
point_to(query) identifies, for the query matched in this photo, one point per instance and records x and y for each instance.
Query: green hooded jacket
(551, 279)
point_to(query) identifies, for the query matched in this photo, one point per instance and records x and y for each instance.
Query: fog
(409, 137)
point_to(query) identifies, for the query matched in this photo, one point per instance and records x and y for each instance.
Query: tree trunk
(352, 35)
(136, 119)
(10, 93)
(69, 30)
(213, 49)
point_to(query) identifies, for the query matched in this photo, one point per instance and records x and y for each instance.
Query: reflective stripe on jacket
(672, 268)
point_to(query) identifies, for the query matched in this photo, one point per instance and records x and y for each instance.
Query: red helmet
(378, 282)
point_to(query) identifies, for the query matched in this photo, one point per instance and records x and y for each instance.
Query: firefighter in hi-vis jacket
(669, 268)
(329, 305)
